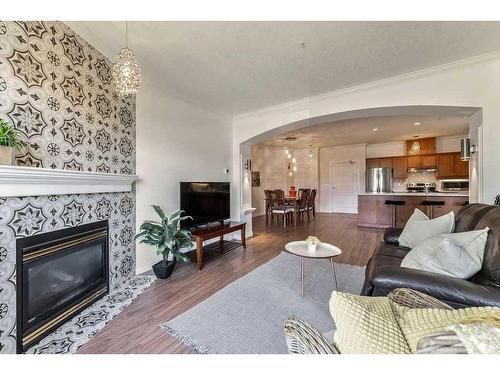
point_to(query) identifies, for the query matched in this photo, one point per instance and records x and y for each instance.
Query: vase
(6, 155)
(164, 268)
(311, 247)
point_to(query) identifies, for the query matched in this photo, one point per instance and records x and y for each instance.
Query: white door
(344, 185)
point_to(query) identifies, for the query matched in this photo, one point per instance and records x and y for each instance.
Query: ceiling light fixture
(126, 72)
(375, 129)
(416, 123)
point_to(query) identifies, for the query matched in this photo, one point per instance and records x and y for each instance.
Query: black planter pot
(164, 269)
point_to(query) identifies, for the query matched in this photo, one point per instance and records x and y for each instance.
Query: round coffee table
(323, 251)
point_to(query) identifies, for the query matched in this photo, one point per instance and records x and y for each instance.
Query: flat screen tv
(205, 202)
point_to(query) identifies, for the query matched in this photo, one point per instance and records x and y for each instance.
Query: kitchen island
(374, 213)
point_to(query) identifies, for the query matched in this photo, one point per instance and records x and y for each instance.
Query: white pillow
(419, 227)
(455, 254)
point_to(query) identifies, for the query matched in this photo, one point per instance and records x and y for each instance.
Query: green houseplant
(9, 142)
(168, 238)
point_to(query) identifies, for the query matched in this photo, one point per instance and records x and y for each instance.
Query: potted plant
(167, 237)
(9, 142)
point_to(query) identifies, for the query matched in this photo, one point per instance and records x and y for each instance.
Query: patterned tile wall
(57, 91)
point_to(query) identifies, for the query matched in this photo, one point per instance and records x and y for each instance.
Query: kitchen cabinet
(428, 161)
(386, 163)
(400, 169)
(460, 167)
(450, 165)
(444, 165)
(372, 163)
(414, 161)
(374, 213)
(427, 146)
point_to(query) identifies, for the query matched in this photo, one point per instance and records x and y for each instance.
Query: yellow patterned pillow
(417, 323)
(366, 325)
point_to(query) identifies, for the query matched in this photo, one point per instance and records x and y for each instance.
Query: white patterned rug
(77, 331)
(247, 316)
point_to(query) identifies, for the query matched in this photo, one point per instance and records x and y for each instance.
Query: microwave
(454, 185)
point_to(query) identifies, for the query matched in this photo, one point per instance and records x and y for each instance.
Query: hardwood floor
(136, 329)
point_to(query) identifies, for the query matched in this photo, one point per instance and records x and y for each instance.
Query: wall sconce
(466, 149)
(248, 164)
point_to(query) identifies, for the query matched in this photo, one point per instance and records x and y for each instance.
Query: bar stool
(393, 203)
(430, 205)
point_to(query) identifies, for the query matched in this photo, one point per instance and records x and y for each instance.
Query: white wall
(380, 150)
(468, 83)
(271, 163)
(328, 155)
(176, 141)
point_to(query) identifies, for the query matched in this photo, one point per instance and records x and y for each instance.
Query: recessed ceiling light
(375, 129)
(416, 123)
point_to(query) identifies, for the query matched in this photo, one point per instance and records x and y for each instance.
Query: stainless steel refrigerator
(379, 180)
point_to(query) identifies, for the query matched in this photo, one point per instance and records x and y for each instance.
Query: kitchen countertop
(431, 194)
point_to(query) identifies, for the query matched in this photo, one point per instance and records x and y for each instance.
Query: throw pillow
(366, 325)
(418, 323)
(455, 254)
(419, 227)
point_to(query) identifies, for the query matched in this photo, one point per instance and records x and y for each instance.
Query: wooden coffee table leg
(243, 237)
(199, 253)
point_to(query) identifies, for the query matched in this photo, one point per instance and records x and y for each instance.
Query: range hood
(421, 170)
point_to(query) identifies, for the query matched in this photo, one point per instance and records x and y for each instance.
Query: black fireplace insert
(59, 274)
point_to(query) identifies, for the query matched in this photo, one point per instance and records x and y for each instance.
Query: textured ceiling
(394, 128)
(236, 67)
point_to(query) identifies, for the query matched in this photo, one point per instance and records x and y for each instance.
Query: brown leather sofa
(384, 273)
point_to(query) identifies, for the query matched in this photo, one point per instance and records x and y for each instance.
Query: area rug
(247, 316)
(77, 331)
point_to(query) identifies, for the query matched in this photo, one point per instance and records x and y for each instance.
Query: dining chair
(301, 205)
(267, 194)
(311, 205)
(279, 208)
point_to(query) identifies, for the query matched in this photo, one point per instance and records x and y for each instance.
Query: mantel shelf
(28, 181)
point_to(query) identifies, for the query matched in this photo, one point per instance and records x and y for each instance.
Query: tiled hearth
(76, 332)
(57, 91)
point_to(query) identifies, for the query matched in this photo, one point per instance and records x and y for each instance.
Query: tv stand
(213, 231)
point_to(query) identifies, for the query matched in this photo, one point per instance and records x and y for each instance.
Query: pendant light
(126, 71)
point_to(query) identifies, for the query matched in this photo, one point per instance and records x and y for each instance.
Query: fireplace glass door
(59, 274)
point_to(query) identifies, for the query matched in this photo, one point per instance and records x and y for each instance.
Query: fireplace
(59, 274)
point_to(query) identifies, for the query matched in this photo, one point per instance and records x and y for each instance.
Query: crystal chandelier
(126, 71)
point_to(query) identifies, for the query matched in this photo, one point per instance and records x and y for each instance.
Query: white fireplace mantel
(27, 181)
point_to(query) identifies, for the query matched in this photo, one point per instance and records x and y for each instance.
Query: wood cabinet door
(368, 209)
(414, 161)
(445, 165)
(429, 161)
(400, 169)
(451, 204)
(372, 163)
(460, 167)
(386, 163)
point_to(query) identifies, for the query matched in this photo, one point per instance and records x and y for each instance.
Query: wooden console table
(213, 231)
